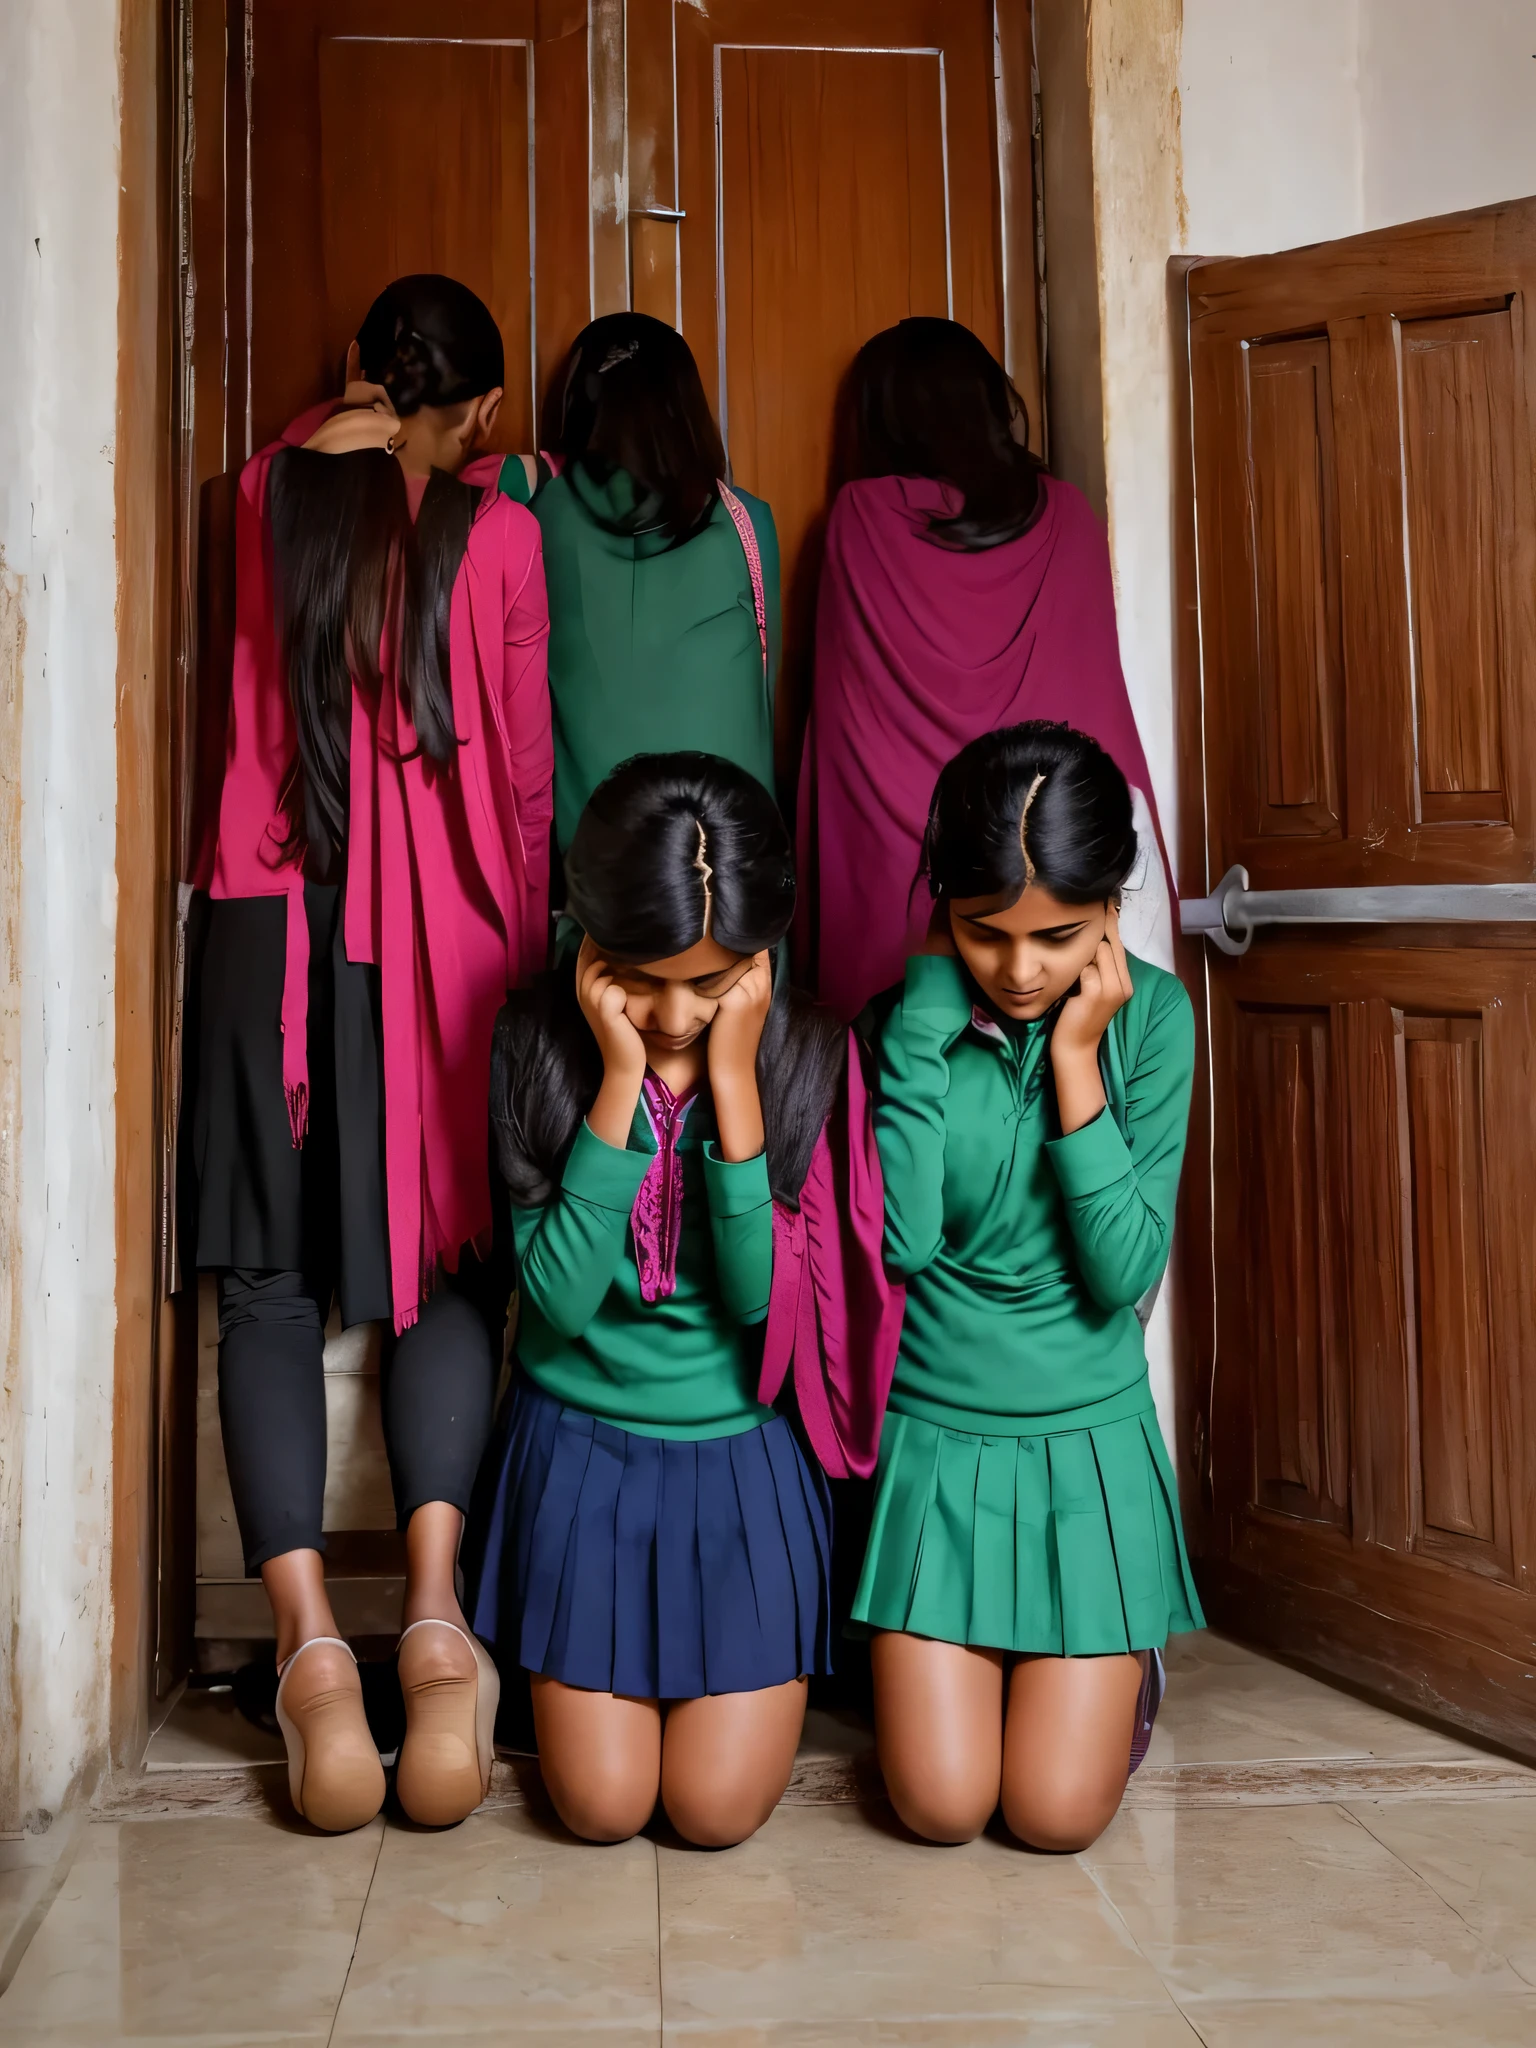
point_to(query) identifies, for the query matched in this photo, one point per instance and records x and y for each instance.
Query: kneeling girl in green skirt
(1026, 1563)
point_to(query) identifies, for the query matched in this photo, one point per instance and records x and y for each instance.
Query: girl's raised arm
(1120, 1198)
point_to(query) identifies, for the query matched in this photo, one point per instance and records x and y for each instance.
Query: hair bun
(411, 373)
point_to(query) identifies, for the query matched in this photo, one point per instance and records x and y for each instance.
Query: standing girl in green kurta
(1025, 1562)
(655, 568)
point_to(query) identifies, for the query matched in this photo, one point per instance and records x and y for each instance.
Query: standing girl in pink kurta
(379, 880)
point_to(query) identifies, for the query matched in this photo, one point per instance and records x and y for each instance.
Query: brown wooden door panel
(347, 187)
(1366, 550)
(1376, 1328)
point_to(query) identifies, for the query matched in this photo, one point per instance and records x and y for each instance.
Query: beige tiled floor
(1401, 1921)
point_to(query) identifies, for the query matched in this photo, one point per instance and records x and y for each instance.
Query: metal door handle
(672, 213)
(1232, 912)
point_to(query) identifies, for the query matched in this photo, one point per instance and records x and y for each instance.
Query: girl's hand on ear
(622, 1048)
(602, 1004)
(368, 426)
(1103, 987)
(734, 1037)
(359, 391)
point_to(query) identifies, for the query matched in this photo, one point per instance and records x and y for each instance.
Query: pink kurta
(919, 649)
(447, 864)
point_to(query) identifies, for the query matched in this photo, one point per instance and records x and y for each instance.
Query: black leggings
(437, 1385)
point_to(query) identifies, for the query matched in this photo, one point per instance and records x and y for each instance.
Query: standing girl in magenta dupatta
(379, 880)
(657, 1553)
(963, 590)
(1025, 1562)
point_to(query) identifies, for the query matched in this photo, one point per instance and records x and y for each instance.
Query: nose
(675, 1009)
(1023, 965)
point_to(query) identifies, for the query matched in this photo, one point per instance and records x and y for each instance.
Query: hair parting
(1033, 792)
(706, 872)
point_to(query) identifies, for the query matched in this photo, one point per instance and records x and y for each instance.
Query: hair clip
(619, 353)
(706, 873)
(1029, 866)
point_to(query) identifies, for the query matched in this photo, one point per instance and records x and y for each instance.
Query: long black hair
(636, 886)
(634, 400)
(1037, 802)
(346, 553)
(927, 398)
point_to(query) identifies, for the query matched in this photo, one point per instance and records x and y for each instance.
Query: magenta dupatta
(920, 648)
(447, 867)
(835, 1315)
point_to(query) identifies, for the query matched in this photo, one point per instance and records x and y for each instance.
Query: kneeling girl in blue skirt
(657, 1553)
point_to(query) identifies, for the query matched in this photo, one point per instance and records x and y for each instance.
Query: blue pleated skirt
(651, 1566)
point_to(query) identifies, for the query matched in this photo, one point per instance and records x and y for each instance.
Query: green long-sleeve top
(1025, 1252)
(684, 1366)
(651, 647)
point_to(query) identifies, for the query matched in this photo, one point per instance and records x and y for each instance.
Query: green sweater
(686, 1366)
(1025, 1252)
(651, 647)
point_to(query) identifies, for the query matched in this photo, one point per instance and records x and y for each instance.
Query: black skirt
(318, 1209)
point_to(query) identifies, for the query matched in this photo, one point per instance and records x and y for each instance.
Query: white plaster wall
(1447, 105)
(1269, 94)
(58, 371)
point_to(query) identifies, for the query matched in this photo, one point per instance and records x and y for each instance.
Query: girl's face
(1026, 955)
(672, 1003)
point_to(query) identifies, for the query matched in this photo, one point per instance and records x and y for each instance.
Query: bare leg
(600, 1757)
(1067, 1747)
(726, 1759)
(939, 1729)
(343, 1780)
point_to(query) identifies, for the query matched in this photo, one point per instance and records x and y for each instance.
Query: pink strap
(741, 519)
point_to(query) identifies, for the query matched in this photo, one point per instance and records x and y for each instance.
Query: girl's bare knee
(944, 1811)
(603, 1807)
(717, 1819)
(1063, 1821)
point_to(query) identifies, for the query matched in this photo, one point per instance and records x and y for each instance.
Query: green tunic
(1025, 1500)
(685, 1366)
(651, 647)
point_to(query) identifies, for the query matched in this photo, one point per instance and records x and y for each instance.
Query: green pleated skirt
(1063, 1543)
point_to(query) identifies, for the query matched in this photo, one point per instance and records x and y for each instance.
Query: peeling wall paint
(58, 344)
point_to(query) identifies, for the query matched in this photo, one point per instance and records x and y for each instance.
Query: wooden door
(1364, 1313)
(327, 146)
(802, 176)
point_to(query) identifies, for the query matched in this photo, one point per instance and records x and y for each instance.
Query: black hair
(634, 400)
(1034, 802)
(927, 398)
(636, 883)
(346, 554)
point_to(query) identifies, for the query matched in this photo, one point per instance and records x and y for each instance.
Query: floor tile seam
(357, 1933)
(1151, 1962)
(1481, 1938)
